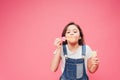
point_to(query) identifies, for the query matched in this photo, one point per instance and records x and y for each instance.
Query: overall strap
(83, 50)
(64, 50)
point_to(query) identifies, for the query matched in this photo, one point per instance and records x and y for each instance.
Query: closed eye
(75, 31)
(68, 32)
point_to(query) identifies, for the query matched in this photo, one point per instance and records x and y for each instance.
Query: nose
(71, 33)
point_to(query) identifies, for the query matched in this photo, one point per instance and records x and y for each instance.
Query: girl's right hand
(58, 42)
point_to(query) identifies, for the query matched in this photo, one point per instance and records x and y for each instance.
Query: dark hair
(81, 41)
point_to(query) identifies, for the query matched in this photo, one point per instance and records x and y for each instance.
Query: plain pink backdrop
(28, 29)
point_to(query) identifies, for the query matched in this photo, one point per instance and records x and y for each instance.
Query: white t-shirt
(76, 55)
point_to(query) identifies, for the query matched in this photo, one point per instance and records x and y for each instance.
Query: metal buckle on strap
(83, 57)
(66, 57)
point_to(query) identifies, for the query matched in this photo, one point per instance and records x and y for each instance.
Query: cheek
(77, 36)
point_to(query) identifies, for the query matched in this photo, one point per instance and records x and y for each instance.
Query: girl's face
(72, 34)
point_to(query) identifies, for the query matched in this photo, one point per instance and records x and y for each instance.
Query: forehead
(72, 27)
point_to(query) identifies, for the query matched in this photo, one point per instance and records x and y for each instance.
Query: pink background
(28, 29)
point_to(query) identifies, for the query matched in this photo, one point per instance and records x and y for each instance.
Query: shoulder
(88, 51)
(88, 47)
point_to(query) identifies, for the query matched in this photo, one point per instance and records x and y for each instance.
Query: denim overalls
(74, 68)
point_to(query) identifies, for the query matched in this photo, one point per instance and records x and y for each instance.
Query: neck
(73, 47)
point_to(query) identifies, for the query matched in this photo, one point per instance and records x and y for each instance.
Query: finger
(57, 40)
(58, 44)
(96, 62)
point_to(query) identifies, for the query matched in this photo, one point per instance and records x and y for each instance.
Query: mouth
(71, 38)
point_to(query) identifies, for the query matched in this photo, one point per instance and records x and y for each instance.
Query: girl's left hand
(94, 60)
(93, 64)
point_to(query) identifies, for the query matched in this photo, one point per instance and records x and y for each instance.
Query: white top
(76, 55)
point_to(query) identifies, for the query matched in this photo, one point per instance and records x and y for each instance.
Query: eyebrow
(73, 29)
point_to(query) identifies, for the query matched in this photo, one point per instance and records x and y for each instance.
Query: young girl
(76, 57)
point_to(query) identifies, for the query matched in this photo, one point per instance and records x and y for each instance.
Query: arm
(92, 64)
(57, 55)
(55, 61)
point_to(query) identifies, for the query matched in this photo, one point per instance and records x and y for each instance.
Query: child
(76, 57)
